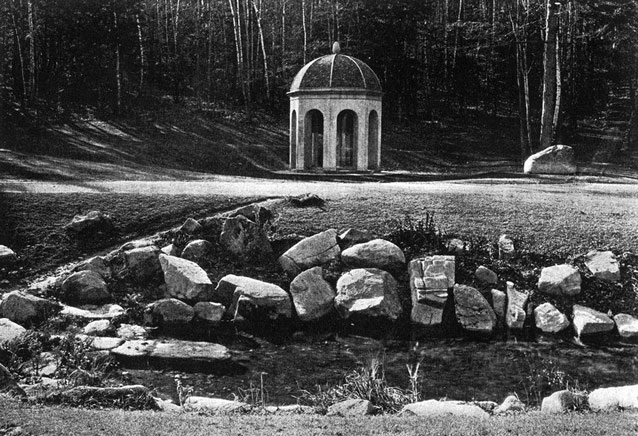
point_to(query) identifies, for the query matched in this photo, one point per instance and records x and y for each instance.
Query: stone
(254, 298)
(588, 321)
(603, 265)
(85, 287)
(191, 226)
(377, 253)
(510, 404)
(105, 343)
(435, 408)
(179, 353)
(143, 262)
(209, 311)
(93, 222)
(25, 308)
(170, 249)
(516, 301)
(486, 276)
(7, 256)
(557, 159)
(499, 304)
(351, 407)
(627, 325)
(614, 398)
(312, 251)
(506, 249)
(456, 246)
(560, 280)
(171, 311)
(139, 243)
(167, 405)
(44, 364)
(245, 238)
(42, 387)
(8, 384)
(89, 394)
(197, 250)
(368, 291)
(257, 213)
(563, 401)
(9, 330)
(290, 409)
(97, 328)
(430, 278)
(107, 311)
(184, 279)
(96, 264)
(131, 332)
(549, 319)
(351, 237)
(216, 406)
(312, 296)
(473, 311)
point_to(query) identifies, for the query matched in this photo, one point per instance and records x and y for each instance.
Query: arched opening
(373, 141)
(293, 140)
(346, 139)
(313, 141)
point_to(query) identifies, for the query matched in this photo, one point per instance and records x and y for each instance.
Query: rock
(108, 311)
(41, 388)
(558, 159)
(499, 304)
(167, 405)
(434, 408)
(549, 319)
(97, 328)
(510, 404)
(588, 321)
(312, 296)
(486, 276)
(9, 330)
(197, 250)
(351, 237)
(44, 364)
(85, 287)
(351, 407)
(473, 311)
(245, 238)
(430, 278)
(184, 279)
(217, 406)
(170, 250)
(377, 253)
(457, 246)
(312, 251)
(92, 394)
(603, 265)
(368, 291)
(178, 353)
(560, 280)
(96, 264)
(8, 384)
(190, 227)
(615, 398)
(143, 262)
(257, 213)
(516, 301)
(7, 256)
(506, 249)
(171, 311)
(131, 332)
(25, 308)
(105, 343)
(255, 299)
(291, 409)
(308, 200)
(563, 401)
(93, 222)
(627, 325)
(139, 243)
(209, 311)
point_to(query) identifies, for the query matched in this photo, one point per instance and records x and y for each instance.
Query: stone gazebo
(335, 115)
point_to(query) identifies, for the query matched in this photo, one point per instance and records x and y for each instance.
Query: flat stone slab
(435, 408)
(217, 406)
(108, 311)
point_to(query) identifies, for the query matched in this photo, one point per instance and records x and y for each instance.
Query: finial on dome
(336, 48)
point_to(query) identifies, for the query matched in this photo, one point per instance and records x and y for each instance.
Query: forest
(549, 63)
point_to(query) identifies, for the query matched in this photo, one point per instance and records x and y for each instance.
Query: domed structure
(335, 115)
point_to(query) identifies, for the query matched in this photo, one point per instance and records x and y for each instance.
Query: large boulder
(368, 291)
(351, 407)
(143, 262)
(603, 265)
(93, 222)
(25, 308)
(96, 264)
(170, 311)
(485, 276)
(614, 398)
(430, 278)
(377, 253)
(312, 295)
(197, 250)
(563, 401)
(516, 301)
(549, 319)
(627, 325)
(558, 159)
(253, 298)
(7, 256)
(560, 280)
(9, 330)
(473, 311)
(312, 251)
(173, 352)
(435, 409)
(184, 279)
(85, 287)
(245, 238)
(589, 321)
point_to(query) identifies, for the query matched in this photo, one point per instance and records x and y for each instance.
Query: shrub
(415, 237)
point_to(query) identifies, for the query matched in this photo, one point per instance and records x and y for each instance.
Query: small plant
(415, 237)
(545, 377)
(415, 384)
(183, 392)
(255, 396)
(80, 365)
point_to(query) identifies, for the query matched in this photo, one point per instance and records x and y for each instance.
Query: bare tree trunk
(305, 32)
(142, 59)
(263, 45)
(283, 32)
(32, 67)
(521, 80)
(446, 63)
(556, 119)
(456, 34)
(549, 74)
(21, 56)
(118, 74)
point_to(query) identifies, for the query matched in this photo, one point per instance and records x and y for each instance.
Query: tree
(549, 73)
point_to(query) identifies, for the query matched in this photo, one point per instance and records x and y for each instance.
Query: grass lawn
(39, 420)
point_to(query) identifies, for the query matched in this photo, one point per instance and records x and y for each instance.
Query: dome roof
(336, 71)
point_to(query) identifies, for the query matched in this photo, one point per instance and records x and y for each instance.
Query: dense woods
(550, 63)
